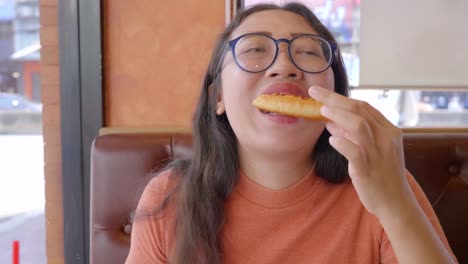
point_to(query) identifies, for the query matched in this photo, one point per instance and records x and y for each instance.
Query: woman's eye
(253, 50)
(308, 52)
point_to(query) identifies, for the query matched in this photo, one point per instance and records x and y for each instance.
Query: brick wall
(50, 85)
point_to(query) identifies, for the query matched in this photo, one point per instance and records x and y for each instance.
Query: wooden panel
(155, 53)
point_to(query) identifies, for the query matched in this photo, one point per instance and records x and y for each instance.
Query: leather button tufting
(128, 229)
(454, 169)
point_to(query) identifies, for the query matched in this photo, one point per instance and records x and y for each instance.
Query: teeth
(269, 113)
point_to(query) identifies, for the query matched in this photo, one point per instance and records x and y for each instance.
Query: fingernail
(324, 110)
(314, 90)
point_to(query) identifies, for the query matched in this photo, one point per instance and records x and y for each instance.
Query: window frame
(82, 116)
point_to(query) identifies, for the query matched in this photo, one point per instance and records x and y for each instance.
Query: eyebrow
(300, 34)
(268, 33)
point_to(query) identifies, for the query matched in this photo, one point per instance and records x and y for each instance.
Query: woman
(269, 188)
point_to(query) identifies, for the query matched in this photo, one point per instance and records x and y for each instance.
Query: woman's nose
(283, 66)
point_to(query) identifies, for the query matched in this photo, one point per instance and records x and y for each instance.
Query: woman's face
(256, 130)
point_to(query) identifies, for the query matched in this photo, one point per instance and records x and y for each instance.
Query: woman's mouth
(279, 118)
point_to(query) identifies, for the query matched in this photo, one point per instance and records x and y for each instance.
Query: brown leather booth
(121, 166)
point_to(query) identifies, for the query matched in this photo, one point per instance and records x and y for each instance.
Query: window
(22, 196)
(406, 108)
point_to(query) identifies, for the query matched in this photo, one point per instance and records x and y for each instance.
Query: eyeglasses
(255, 52)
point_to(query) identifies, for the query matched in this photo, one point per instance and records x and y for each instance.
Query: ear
(219, 102)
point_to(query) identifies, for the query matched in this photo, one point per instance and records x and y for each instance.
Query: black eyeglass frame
(333, 47)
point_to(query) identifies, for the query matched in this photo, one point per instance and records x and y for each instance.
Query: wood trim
(143, 130)
(156, 130)
(434, 130)
(411, 87)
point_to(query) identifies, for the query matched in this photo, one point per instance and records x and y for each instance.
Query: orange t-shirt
(310, 222)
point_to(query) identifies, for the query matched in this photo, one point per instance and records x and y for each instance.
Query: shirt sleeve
(148, 245)
(387, 254)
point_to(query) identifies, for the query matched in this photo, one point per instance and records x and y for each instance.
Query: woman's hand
(374, 149)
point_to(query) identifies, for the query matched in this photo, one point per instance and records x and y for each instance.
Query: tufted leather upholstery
(121, 165)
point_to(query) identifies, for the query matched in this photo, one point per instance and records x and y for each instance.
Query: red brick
(52, 144)
(53, 152)
(49, 35)
(51, 95)
(50, 114)
(54, 249)
(54, 230)
(48, 3)
(53, 173)
(49, 55)
(50, 75)
(53, 191)
(53, 211)
(48, 15)
(55, 259)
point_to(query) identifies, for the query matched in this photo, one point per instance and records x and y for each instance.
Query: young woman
(268, 188)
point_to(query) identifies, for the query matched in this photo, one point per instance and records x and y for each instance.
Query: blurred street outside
(22, 198)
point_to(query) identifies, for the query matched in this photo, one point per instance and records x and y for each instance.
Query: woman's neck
(275, 171)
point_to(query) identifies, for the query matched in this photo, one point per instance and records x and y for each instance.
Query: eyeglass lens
(256, 53)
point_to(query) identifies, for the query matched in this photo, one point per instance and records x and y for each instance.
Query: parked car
(19, 115)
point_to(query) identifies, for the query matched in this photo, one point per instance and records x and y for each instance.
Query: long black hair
(209, 176)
